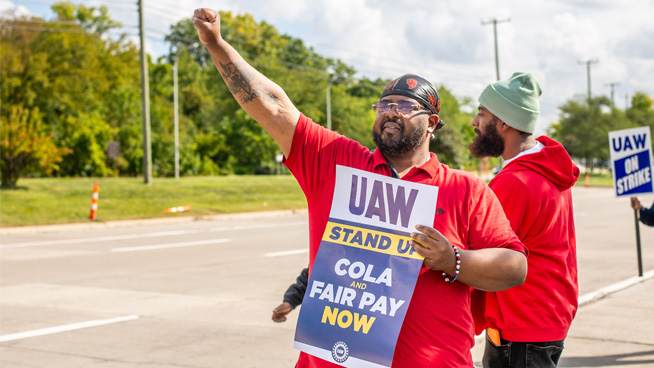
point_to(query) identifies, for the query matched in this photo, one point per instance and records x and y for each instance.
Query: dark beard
(396, 148)
(487, 143)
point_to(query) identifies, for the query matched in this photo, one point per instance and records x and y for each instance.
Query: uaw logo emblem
(340, 352)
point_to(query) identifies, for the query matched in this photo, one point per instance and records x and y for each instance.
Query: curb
(600, 294)
(139, 222)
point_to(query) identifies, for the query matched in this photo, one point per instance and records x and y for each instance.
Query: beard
(487, 143)
(401, 143)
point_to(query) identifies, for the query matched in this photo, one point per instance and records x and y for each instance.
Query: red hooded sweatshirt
(534, 190)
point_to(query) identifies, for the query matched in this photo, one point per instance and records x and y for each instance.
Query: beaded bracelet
(458, 266)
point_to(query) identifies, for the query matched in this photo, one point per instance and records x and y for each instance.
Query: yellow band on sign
(376, 241)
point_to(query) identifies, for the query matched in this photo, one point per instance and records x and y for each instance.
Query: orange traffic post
(178, 209)
(94, 202)
(587, 180)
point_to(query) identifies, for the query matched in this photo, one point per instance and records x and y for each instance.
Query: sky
(444, 41)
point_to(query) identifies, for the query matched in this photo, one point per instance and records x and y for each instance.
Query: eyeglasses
(403, 107)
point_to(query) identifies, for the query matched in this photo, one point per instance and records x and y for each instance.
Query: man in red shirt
(469, 221)
(534, 188)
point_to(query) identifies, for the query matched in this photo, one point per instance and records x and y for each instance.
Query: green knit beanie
(514, 100)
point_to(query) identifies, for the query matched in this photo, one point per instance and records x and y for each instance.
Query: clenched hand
(207, 22)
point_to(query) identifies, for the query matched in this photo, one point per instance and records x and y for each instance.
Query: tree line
(584, 125)
(71, 88)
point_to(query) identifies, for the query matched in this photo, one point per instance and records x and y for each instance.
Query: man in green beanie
(526, 325)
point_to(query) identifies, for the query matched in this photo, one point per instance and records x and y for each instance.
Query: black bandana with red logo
(418, 88)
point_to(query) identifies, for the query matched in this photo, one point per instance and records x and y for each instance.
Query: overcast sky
(445, 41)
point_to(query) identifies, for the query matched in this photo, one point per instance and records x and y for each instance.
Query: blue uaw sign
(365, 270)
(631, 155)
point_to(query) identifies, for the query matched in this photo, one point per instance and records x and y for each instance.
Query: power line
(42, 21)
(45, 29)
(370, 62)
(93, 3)
(161, 14)
(381, 65)
(386, 63)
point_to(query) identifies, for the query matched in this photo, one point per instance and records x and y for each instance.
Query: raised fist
(207, 22)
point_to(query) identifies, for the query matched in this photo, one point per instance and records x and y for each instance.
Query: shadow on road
(608, 360)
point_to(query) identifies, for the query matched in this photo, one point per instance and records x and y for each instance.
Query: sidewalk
(615, 331)
(610, 330)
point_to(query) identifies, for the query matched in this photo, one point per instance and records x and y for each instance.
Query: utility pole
(145, 100)
(494, 22)
(612, 85)
(330, 78)
(176, 116)
(626, 101)
(588, 63)
(329, 104)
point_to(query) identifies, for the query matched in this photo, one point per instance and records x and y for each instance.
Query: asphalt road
(200, 293)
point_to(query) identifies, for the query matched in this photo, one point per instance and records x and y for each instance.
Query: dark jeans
(512, 354)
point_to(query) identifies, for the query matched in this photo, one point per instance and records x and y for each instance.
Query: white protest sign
(365, 271)
(631, 159)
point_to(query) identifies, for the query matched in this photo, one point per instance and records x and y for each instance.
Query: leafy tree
(23, 69)
(87, 88)
(352, 116)
(25, 146)
(641, 111)
(81, 82)
(583, 129)
(95, 20)
(451, 142)
(183, 36)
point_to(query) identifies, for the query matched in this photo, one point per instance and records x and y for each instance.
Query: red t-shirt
(438, 327)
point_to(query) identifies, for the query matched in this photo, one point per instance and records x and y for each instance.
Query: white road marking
(93, 240)
(146, 235)
(170, 245)
(608, 290)
(260, 226)
(65, 328)
(287, 252)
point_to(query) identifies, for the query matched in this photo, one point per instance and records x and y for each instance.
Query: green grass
(68, 200)
(595, 180)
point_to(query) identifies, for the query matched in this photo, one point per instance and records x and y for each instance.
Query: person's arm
(293, 297)
(647, 215)
(260, 97)
(295, 292)
(489, 269)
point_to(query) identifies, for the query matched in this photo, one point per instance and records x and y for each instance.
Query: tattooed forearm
(272, 98)
(240, 84)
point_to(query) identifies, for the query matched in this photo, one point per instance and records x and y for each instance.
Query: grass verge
(68, 200)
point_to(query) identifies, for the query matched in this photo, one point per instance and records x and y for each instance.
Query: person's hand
(279, 313)
(635, 203)
(437, 250)
(207, 22)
